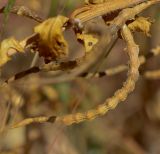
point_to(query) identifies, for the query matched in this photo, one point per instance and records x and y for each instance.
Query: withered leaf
(88, 41)
(141, 24)
(8, 47)
(52, 44)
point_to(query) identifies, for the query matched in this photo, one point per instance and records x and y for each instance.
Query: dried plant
(119, 20)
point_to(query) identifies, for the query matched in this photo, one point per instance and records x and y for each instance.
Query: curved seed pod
(120, 95)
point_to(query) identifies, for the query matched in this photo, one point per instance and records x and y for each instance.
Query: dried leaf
(88, 41)
(8, 47)
(51, 43)
(141, 24)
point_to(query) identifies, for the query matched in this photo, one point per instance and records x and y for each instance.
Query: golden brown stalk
(154, 75)
(24, 11)
(33, 120)
(91, 11)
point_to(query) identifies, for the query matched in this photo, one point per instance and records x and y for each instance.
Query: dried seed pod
(120, 95)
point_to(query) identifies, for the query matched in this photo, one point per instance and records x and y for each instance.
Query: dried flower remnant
(51, 43)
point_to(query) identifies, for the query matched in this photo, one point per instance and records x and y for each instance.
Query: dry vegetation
(68, 69)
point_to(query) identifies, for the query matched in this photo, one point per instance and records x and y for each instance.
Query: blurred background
(132, 128)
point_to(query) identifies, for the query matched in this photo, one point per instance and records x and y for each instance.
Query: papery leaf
(88, 41)
(8, 47)
(141, 24)
(52, 44)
